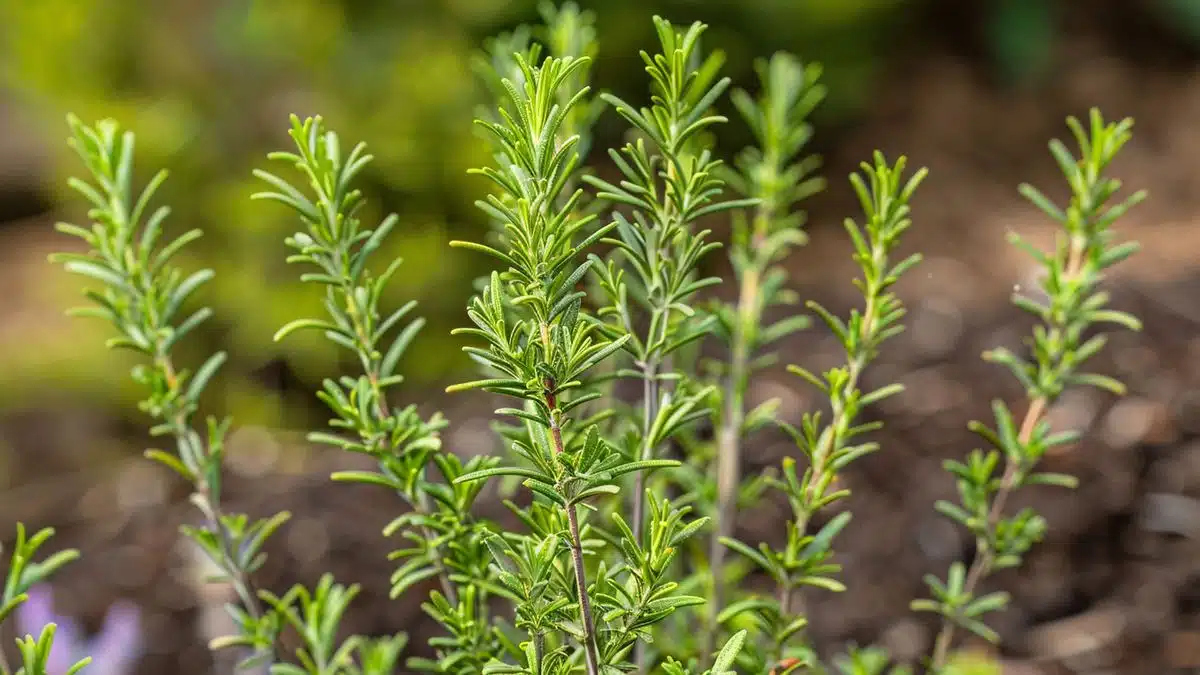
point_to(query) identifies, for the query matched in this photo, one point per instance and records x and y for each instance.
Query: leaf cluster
(806, 558)
(671, 180)
(142, 295)
(1063, 340)
(776, 172)
(24, 572)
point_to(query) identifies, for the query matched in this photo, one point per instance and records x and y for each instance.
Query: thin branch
(729, 445)
(981, 566)
(590, 649)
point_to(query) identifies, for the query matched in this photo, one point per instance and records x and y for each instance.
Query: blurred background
(971, 89)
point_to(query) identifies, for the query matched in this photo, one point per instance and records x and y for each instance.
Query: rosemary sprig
(1071, 306)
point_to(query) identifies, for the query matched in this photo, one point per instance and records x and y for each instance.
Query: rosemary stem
(650, 394)
(209, 502)
(585, 606)
(729, 446)
(373, 371)
(590, 650)
(981, 566)
(786, 594)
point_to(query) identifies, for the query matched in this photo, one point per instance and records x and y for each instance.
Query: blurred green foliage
(1020, 35)
(208, 87)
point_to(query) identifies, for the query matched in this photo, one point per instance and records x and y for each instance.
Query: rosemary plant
(548, 348)
(592, 576)
(774, 173)
(444, 540)
(37, 652)
(541, 344)
(546, 352)
(829, 446)
(670, 181)
(143, 296)
(1070, 306)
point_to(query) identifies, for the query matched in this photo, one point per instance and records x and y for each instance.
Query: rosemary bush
(621, 535)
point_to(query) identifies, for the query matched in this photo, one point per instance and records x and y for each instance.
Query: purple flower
(114, 650)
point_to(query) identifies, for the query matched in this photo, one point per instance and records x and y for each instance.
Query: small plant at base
(1072, 305)
(831, 446)
(38, 656)
(113, 651)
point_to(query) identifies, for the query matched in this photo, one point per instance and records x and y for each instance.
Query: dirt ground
(1114, 589)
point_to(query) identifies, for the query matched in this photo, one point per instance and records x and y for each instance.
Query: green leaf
(203, 375)
(740, 607)
(925, 606)
(822, 540)
(1039, 200)
(981, 629)
(643, 465)
(1109, 384)
(1054, 479)
(880, 394)
(503, 471)
(171, 462)
(595, 491)
(827, 583)
(754, 555)
(367, 477)
(388, 365)
(481, 248)
(98, 272)
(674, 602)
(723, 664)
(992, 602)
(482, 384)
(303, 324)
